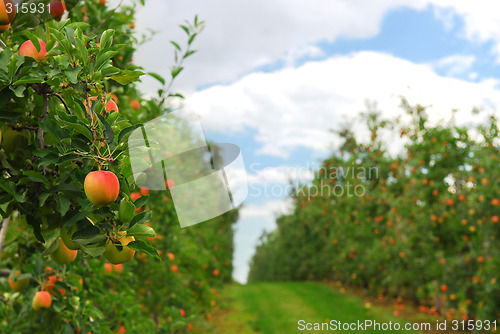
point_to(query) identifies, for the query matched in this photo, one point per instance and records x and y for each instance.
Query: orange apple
(18, 285)
(28, 49)
(101, 187)
(117, 268)
(42, 301)
(7, 11)
(63, 254)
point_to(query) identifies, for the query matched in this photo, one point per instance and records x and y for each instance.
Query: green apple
(116, 256)
(13, 139)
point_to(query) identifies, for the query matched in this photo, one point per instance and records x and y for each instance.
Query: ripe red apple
(42, 301)
(495, 201)
(18, 285)
(50, 284)
(57, 9)
(4, 27)
(102, 2)
(63, 254)
(28, 49)
(116, 256)
(108, 268)
(7, 6)
(66, 234)
(444, 288)
(183, 313)
(110, 106)
(117, 268)
(101, 187)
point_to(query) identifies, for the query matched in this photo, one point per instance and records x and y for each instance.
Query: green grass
(275, 308)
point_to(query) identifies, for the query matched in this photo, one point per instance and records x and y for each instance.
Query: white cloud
(296, 107)
(454, 64)
(243, 35)
(480, 17)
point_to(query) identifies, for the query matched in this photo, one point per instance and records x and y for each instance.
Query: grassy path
(275, 308)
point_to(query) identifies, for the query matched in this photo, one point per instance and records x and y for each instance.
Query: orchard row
(425, 230)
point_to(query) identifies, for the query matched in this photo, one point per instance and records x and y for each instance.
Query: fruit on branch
(67, 234)
(101, 187)
(117, 256)
(28, 49)
(110, 106)
(102, 2)
(51, 284)
(57, 9)
(63, 254)
(7, 11)
(42, 301)
(18, 285)
(113, 268)
(13, 139)
(135, 104)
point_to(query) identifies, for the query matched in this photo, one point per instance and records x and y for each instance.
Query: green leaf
(73, 74)
(108, 131)
(10, 188)
(51, 247)
(43, 197)
(191, 39)
(32, 38)
(141, 230)
(177, 46)
(107, 38)
(89, 234)
(141, 201)
(126, 211)
(94, 251)
(25, 80)
(35, 223)
(190, 52)
(18, 91)
(81, 129)
(176, 71)
(141, 246)
(102, 58)
(62, 204)
(141, 218)
(127, 76)
(109, 71)
(123, 134)
(186, 29)
(157, 77)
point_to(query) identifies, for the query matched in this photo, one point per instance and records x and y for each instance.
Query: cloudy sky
(275, 76)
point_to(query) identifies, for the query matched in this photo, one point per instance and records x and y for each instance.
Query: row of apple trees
(82, 248)
(422, 225)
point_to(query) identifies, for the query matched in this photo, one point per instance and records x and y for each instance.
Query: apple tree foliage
(422, 225)
(53, 135)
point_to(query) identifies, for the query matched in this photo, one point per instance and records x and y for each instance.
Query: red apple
(28, 49)
(57, 9)
(117, 268)
(101, 187)
(42, 301)
(7, 11)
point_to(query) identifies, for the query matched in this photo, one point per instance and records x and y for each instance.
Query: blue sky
(274, 78)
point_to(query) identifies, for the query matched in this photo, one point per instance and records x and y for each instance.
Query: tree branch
(39, 134)
(62, 101)
(3, 232)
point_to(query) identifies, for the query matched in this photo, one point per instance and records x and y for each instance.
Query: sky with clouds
(274, 77)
